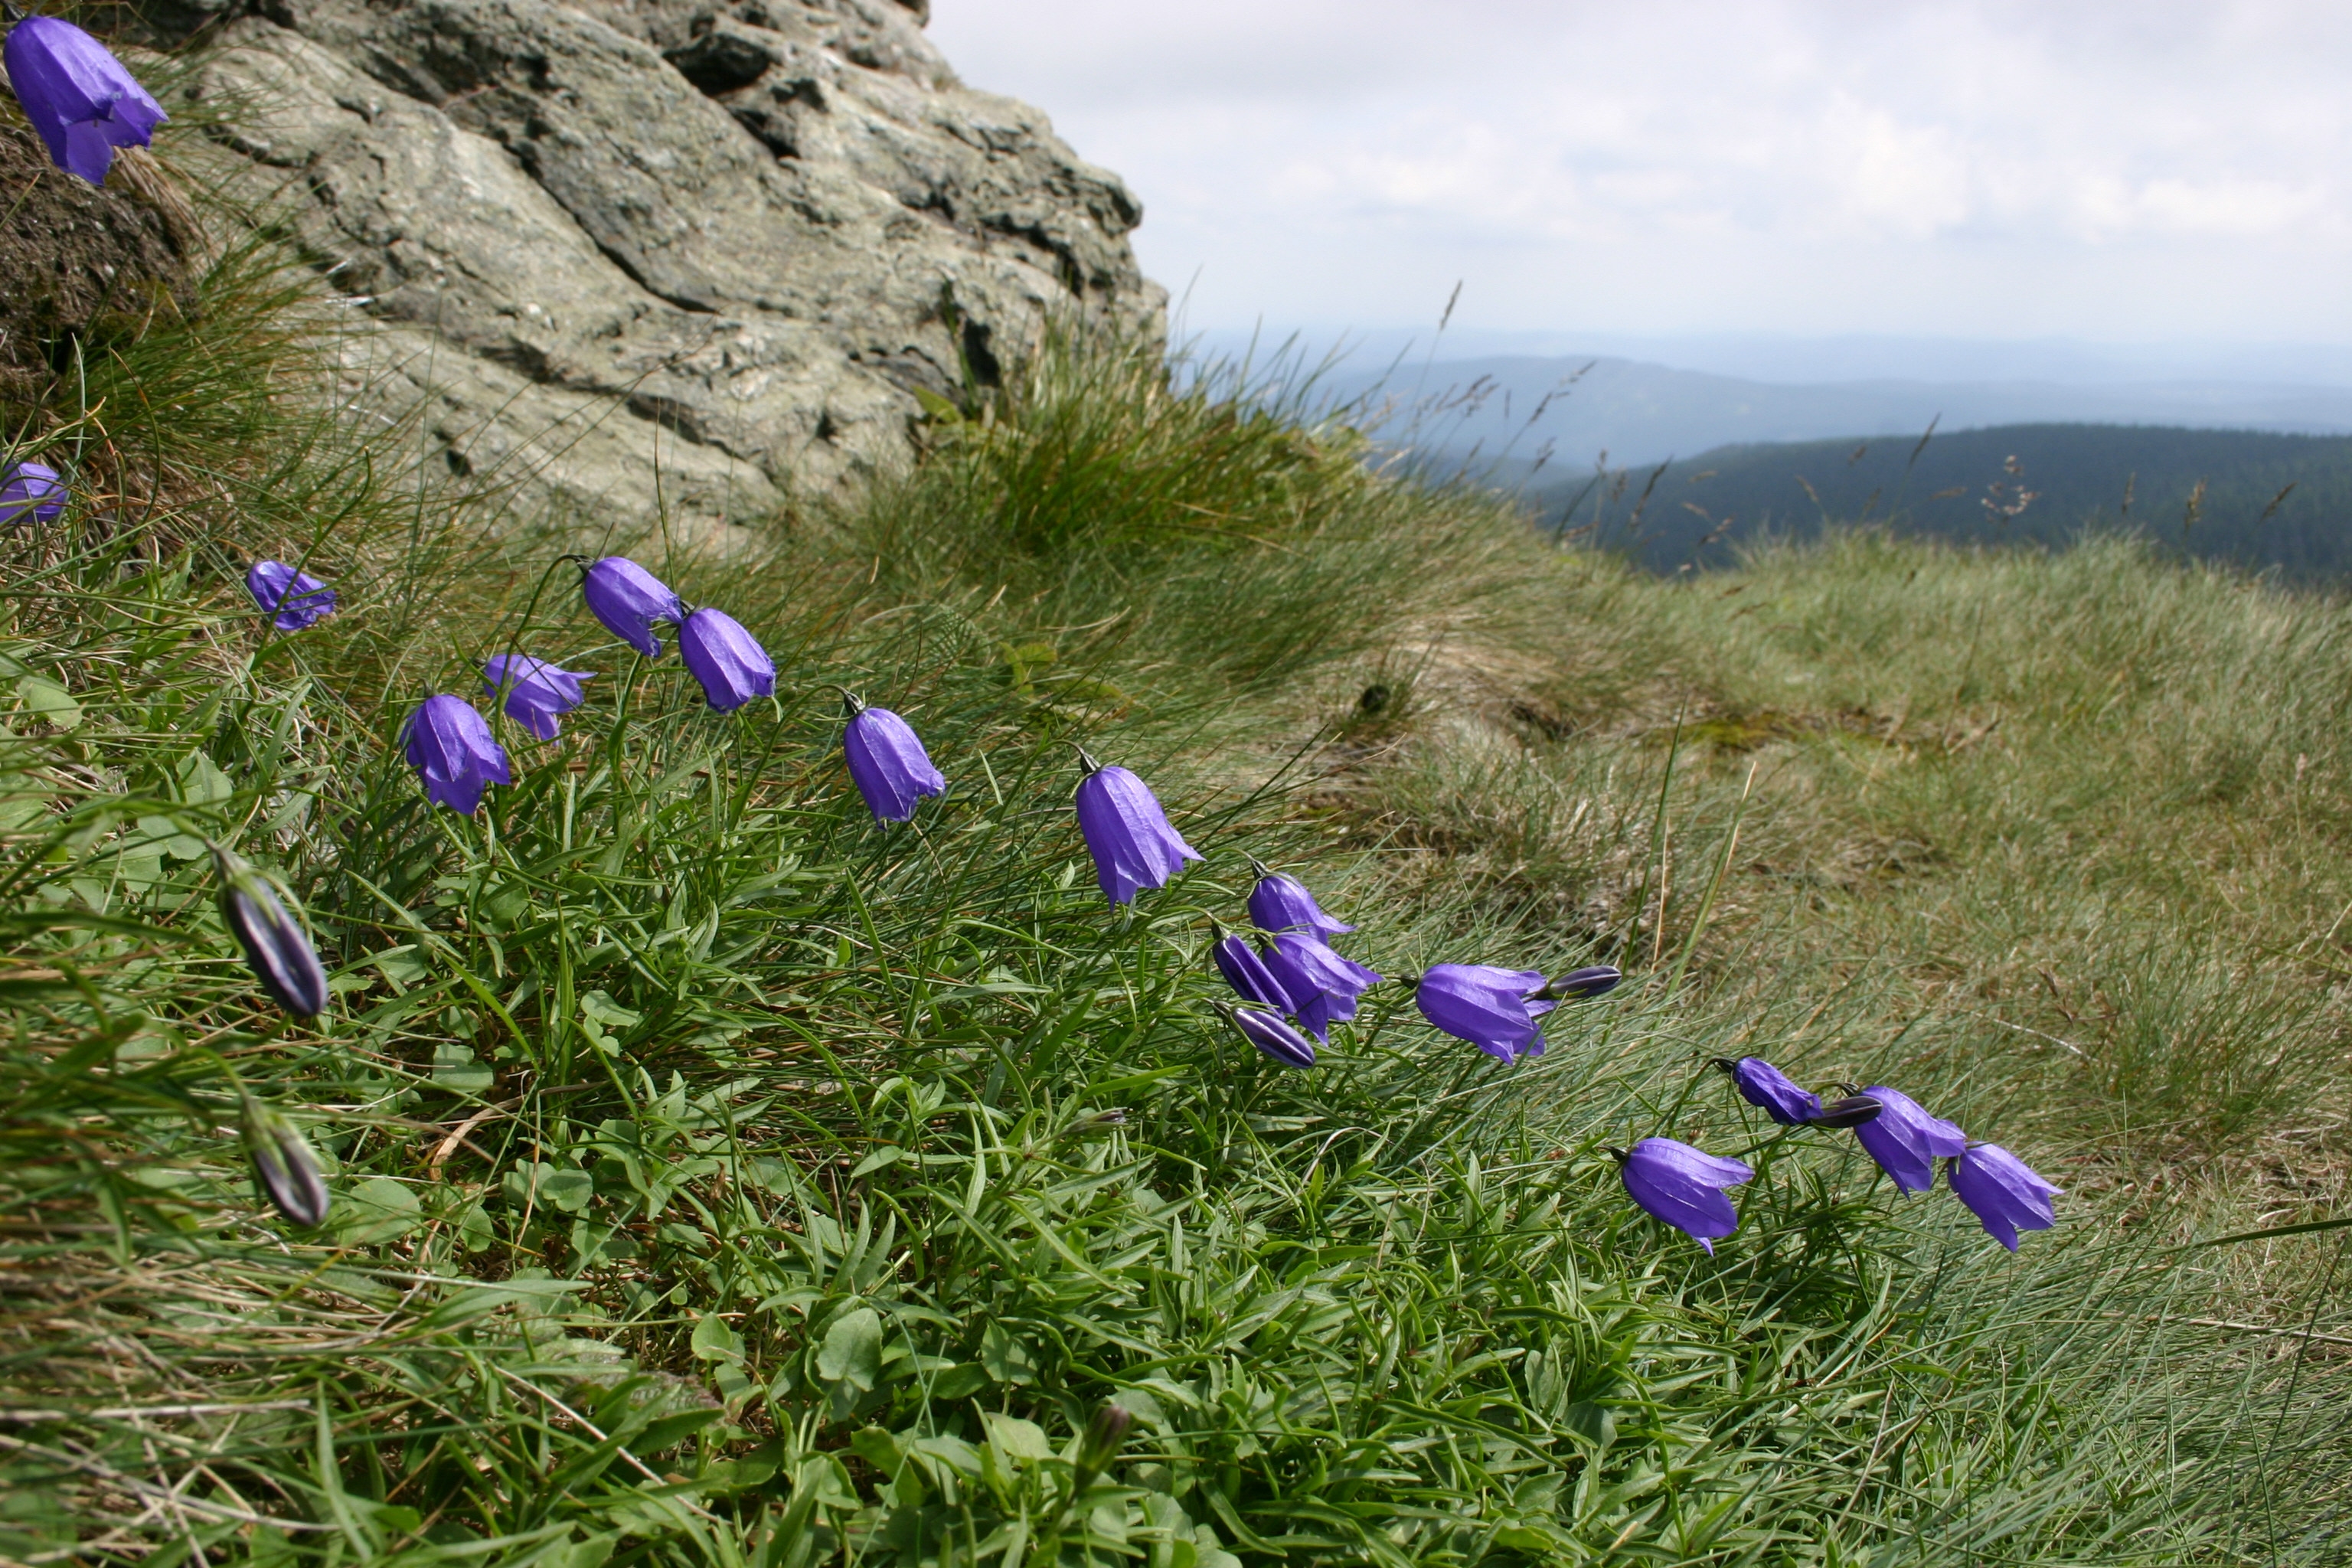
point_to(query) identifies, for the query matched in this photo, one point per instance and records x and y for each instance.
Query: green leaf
(454, 1068)
(47, 702)
(376, 1210)
(716, 1340)
(851, 1351)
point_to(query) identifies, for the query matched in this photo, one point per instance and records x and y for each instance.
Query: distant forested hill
(2248, 496)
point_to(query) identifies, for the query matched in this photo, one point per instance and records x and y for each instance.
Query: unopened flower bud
(1851, 1112)
(276, 946)
(284, 1167)
(1577, 984)
(1101, 1442)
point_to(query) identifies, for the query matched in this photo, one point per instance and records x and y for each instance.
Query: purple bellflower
(78, 95)
(886, 762)
(1684, 1186)
(628, 600)
(1244, 969)
(1580, 985)
(1281, 903)
(538, 694)
(1851, 1112)
(276, 948)
(297, 598)
(451, 747)
(1134, 845)
(1494, 1009)
(728, 661)
(284, 1167)
(2003, 1191)
(1770, 1090)
(32, 492)
(1270, 1035)
(1905, 1141)
(1322, 986)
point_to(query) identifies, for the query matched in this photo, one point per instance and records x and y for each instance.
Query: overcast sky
(2124, 170)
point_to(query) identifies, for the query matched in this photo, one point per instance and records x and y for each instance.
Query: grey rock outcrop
(624, 247)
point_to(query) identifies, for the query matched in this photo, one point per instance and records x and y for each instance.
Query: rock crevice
(697, 254)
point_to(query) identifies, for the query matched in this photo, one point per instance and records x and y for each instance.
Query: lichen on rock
(616, 248)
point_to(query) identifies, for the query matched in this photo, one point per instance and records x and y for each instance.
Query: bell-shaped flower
(32, 492)
(1272, 1036)
(1244, 969)
(1582, 985)
(1134, 845)
(78, 96)
(284, 1167)
(1684, 1186)
(297, 598)
(1280, 902)
(1771, 1092)
(538, 694)
(1322, 984)
(277, 947)
(1851, 1112)
(886, 762)
(1906, 1142)
(728, 661)
(450, 746)
(628, 600)
(1494, 1009)
(2003, 1191)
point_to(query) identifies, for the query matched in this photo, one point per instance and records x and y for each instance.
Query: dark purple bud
(2003, 1191)
(1494, 1009)
(298, 599)
(1851, 1112)
(1684, 1186)
(1322, 986)
(1281, 903)
(450, 746)
(276, 946)
(1579, 985)
(284, 1168)
(1246, 970)
(628, 600)
(1769, 1090)
(32, 492)
(1906, 1142)
(1134, 845)
(538, 694)
(1101, 1442)
(77, 95)
(1271, 1035)
(889, 764)
(728, 661)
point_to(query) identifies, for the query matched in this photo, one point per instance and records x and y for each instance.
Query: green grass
(720, 1178)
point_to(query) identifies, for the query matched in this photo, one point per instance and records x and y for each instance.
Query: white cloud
(2141, 169)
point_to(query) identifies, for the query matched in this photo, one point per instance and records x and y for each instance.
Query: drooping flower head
(727, 660)
(1770, 1090)
(628, 600)
(451, 747)
(1281, 903)
(1128, 832)
(297, 598)
(78, 95)
(1322, 984)
(284, 1168)
(2003, 1191)
(31, 492)
(1494, 1009)
(1270, 1035)
(1582, 985)
(276, 946)
(1244, 969)
(886, 762)
(1906, 1142)
(1684, 1186)
(538, 694)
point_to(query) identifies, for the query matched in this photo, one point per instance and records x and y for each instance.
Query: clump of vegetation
(717, 1175)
